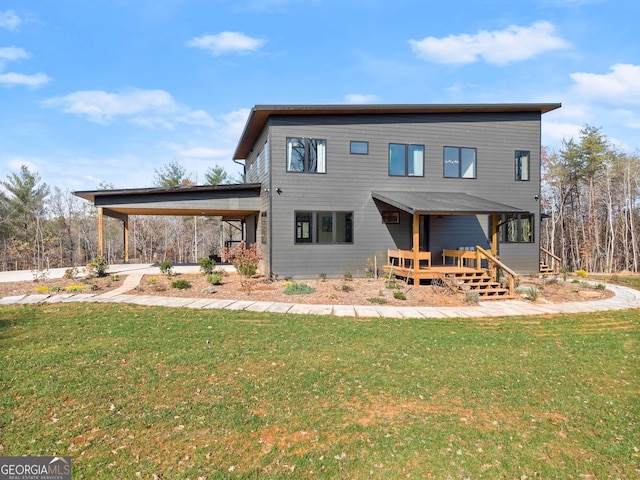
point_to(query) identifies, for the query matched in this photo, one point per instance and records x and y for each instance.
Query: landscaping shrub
(297, 288)
(98, 266)
(215, 278)
(399, 296)
(244, 259)
(166, 267)
(74, 288)
(206, 265)
(582, 273)
(181, 284)
(377, 300)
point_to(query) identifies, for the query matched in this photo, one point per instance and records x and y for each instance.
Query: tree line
(589, 199)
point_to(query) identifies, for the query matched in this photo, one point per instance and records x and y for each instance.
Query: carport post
(125, 240)
(100, 232)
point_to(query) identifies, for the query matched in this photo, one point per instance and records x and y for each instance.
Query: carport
(231, 202)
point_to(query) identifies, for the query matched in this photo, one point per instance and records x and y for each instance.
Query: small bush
(347, 276)
(115, 278)
(215, 278)
(581, 273)
(532, 293)
(181, 284)
(399, 296)
(244, 259)
(297, 288)
(152, 281)
(166, 267)
(472, 297)
(71, 273)
(392, 285)
(600, 286)
(206, 265)
(377, 300)
(74, 288)
(346, 288)
(323, 277)
(57, 289)
(98, 266)
(42, 289)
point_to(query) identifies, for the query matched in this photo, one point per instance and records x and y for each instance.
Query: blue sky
(109, 91)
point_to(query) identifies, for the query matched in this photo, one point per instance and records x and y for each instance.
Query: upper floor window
(406, 160)
(459, 162)
(359, 148)
(522, 164)
(517, 229)
(307, 155)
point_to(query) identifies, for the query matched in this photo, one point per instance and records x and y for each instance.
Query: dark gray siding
(349, 180)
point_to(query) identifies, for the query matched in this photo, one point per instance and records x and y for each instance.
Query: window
(459, 162)
(522, 165)
(406, 160)
(359, 148)
(517, 229)
(324, 227)
(306, 155)
(391, 217)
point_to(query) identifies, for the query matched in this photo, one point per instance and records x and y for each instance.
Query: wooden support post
(100, 232)
(125, 240)
(495, 219)
(416, 241)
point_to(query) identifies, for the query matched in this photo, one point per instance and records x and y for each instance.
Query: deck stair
(479, 282)
(544, 268)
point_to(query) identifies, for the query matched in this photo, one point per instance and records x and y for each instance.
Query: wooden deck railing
(494, 265)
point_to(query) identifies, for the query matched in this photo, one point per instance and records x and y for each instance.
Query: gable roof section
(443, 203)
(227, 201)
(260, 114)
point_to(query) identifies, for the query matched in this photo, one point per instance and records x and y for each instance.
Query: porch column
(100, 232)
(495, 219)
(125, 239)
(416, 241)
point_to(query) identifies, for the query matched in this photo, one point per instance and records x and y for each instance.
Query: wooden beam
(100, 231)
(125, 234)
(416, 241)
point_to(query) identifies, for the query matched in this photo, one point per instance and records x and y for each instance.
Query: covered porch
(452, 262)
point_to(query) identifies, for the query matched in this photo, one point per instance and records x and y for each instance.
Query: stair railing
(494, 264)
(556, 261)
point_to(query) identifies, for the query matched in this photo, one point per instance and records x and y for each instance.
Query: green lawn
(130, 392)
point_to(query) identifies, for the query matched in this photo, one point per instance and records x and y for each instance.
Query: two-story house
(344, 184)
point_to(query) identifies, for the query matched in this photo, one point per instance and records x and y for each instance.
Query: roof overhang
(260, 114)
(443, 203)
(231, 202)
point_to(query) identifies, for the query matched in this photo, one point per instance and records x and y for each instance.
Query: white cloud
(226, 42)
(9, 20)
(12, 53)
(9, 54)
(361, 98)
(499, 47)
(149, 108)
(34, 81)
(620, 86)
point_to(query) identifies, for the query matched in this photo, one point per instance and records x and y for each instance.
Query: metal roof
(443, 203)
(91, 195)
(260, 114)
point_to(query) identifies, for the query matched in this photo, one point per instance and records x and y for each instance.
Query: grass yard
(139, 392)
